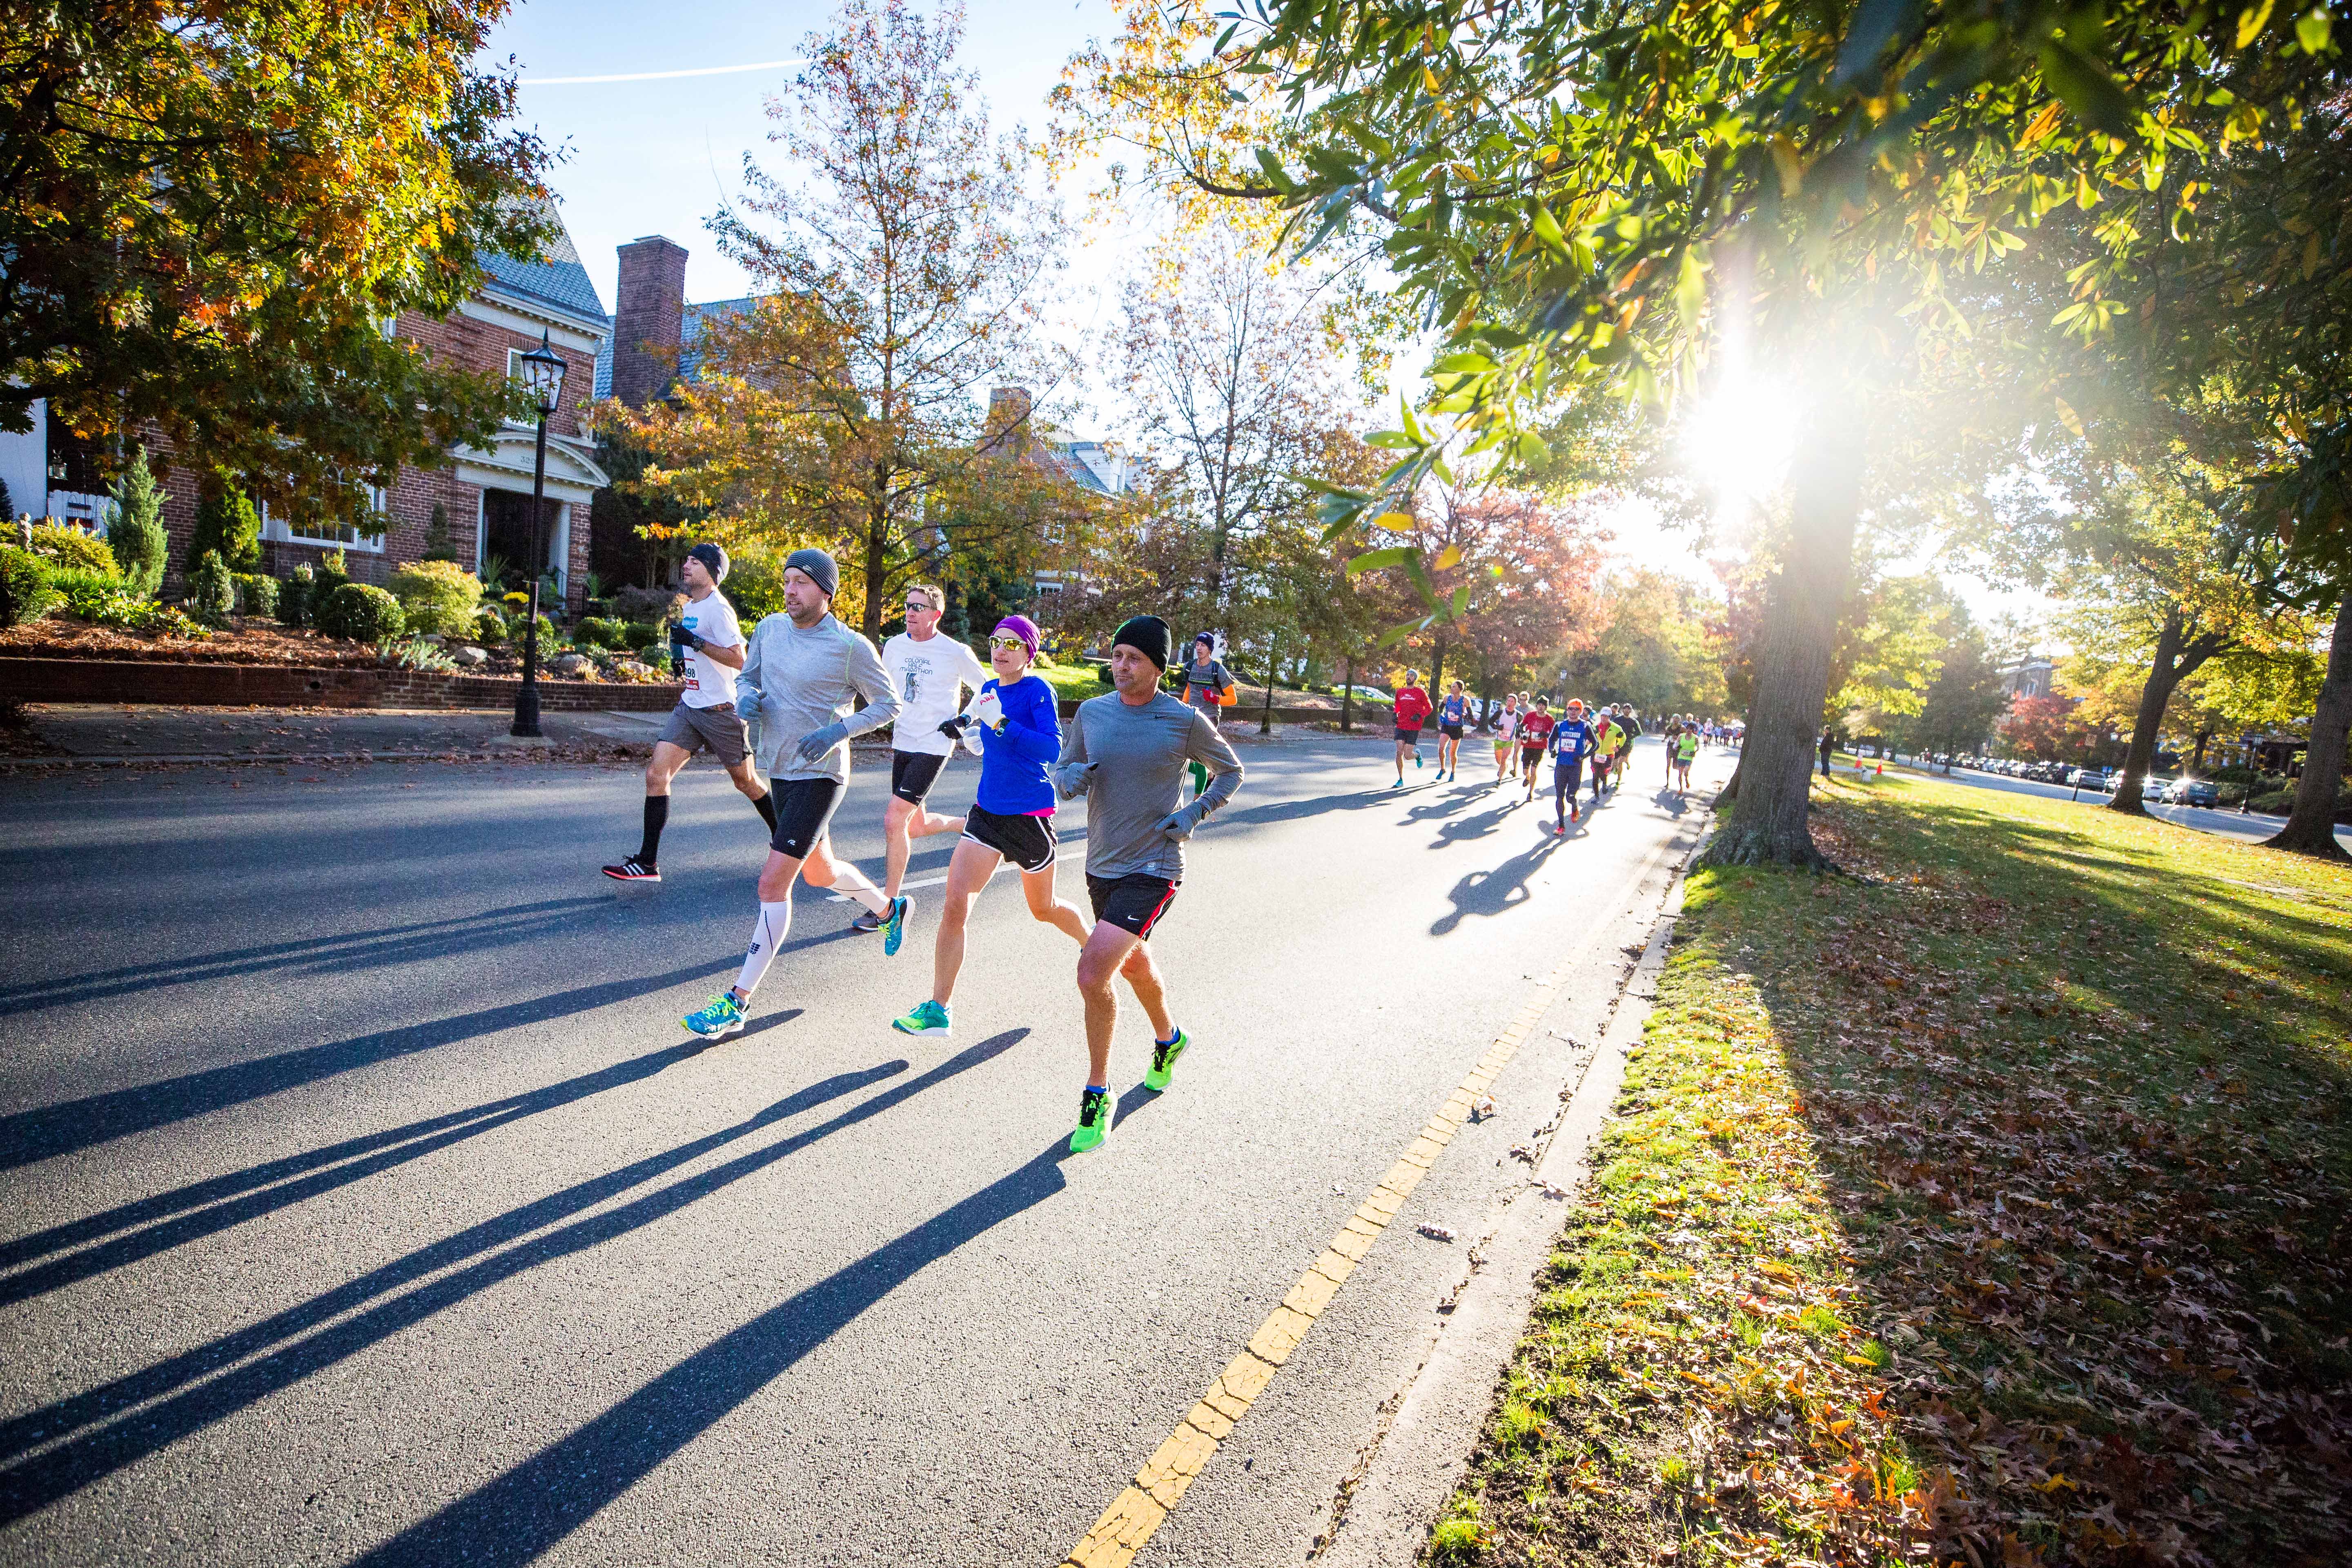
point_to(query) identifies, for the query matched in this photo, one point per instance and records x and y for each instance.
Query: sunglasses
(1008, 642)
(914, 605)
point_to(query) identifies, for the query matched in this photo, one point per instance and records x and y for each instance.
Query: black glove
(953, 728)
(682, 639)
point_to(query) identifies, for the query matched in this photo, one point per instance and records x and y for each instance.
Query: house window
(329, 534)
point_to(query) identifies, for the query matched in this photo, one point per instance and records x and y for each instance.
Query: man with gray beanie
(709, 643)
(801, 673)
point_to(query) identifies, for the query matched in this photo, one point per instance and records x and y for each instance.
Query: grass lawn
(1992, 1206)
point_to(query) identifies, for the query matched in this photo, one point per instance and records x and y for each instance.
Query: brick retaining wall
(293, 686)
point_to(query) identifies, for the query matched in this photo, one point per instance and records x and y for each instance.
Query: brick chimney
(648, 313)
(1008, 430)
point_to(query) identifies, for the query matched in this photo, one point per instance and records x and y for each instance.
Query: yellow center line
(1136, 1513)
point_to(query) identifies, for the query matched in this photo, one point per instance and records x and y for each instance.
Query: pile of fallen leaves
(1989, 1206)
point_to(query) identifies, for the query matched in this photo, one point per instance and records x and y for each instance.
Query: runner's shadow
(525, 1513)
(1673, 803)
(116, 1427)
(1489, 893)
(1464, 830)
(1136, 1099)
(208, 1207)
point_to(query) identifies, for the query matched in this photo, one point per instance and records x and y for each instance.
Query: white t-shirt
(928, 676)
(709, 682)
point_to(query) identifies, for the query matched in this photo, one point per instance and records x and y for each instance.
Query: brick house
(485, 491)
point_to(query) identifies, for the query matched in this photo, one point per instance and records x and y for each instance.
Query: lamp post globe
(542, 375)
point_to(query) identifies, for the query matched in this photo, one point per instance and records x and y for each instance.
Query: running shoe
(633, 870)
(1416, 759)
(894, 925)
(928, 1018)
(721, 1017)
(866, 924)
(1163, 1060)
(1399, 782)
(1097, 1109)
(1575, 812)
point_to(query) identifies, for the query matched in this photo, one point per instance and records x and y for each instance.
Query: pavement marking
(917, 882)
(1137, 1513)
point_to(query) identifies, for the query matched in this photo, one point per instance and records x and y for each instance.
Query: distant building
(2029, 677)
(484, 492)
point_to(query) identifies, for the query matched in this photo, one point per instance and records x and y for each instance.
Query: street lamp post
(542, 373)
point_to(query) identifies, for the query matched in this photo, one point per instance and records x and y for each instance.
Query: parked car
(2158, 788)
(2196, 792)
(2089, 778)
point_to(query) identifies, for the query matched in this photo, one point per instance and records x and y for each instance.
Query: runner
(1452, 714)
(710, 640)
(1206, 681)
(1410, 707)
(1607, 741)
(1506, 735)
(1572, 740)
(1631, 723)
(931, 672)
(1672, 732)
(1685, 748)
(1013, 818)
(1126, 753)
(1535, 735)
(804, 668)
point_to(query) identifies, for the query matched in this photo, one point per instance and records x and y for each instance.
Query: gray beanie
(819, 567)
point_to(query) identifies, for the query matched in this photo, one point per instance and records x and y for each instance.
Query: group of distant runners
(783, 703)
(779, 710)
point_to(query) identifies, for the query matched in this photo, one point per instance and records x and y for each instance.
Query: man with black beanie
(707, 643)
(1126, 752)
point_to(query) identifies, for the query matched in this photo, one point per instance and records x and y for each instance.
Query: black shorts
(1450, 731)
(1530, 755)
(912, 773)
(1133, 903)
(1026, 841)
(1412, 736)
(803, 811)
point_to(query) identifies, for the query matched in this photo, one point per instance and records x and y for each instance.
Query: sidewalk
(63, 734)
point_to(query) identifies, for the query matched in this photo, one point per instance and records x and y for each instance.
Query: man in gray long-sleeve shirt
(1126, 752)
(800, 673)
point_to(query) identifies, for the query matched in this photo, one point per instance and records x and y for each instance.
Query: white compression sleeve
(774, 925)
(849, 880)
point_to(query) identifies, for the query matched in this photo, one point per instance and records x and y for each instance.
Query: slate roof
(555, 281)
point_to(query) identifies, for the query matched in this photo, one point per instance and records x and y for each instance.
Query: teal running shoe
(722, 1015)
(1097, 1108)
(1163, 1060)
(928, 1018)
(894, 926)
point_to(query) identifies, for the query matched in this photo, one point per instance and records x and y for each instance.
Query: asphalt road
(361, 1201)
(2252, 827)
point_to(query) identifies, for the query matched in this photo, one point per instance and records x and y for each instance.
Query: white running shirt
(709, 682)
(928, 676)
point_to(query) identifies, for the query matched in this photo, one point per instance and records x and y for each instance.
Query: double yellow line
(1138, 1511)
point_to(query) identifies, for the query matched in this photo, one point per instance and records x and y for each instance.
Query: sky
(660, 155)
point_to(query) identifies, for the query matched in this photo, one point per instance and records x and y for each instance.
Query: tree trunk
(2197, 761)
(1731, 790)
(878, 563)
(1768, 823)
(1437, 669)
(2311, 823)
(2177, 657)
(1347, 695)
(1273, 671)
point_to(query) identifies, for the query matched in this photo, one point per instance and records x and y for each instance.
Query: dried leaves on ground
(1991, 1205)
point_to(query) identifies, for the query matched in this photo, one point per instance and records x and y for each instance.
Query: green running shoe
(928, 1018)
(1163, 1060)
(894, 926)
(1097, 1109)
(722, 1015)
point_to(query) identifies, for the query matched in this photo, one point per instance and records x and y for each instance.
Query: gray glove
(817, 743)
(1180, 825)
(1070, 779)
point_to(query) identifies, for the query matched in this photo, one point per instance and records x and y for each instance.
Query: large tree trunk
(877, 566)
(2177, 657)
(1768, 821)
(2311, 824)
(1347, 695)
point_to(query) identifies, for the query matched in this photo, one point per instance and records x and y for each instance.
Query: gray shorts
(717, 727)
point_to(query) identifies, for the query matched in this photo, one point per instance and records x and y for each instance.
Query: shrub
(599, 631)
(437, 544)
(227, 525)
(438, 597)
(83, 591)
(25, 591)
(489, 626)
(255, 595)
(212, 592)
(363, 613)
(69, 549)
(413, 653)
(639, 635)
(295, 596)
(755, 584)
(650, 605)
(135, 527)
(330, 573)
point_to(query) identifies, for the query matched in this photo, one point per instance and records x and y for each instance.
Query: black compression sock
(657, 814)
(766, 806)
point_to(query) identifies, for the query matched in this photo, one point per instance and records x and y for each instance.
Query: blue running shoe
(894, 926)
(928, 1018)
(722, 1015)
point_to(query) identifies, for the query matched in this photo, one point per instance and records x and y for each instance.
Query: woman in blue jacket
(1020, 735)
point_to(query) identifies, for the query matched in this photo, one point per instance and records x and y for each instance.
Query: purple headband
(1025, 628)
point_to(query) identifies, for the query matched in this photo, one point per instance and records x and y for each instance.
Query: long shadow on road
(205, 1208)
(139, 1429)
(523, 1513)
(1492, 892)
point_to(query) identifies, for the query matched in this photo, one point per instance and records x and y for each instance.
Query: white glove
(986, 710)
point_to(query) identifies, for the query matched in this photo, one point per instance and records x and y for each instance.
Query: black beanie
(1147, 635)
(712, 557)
